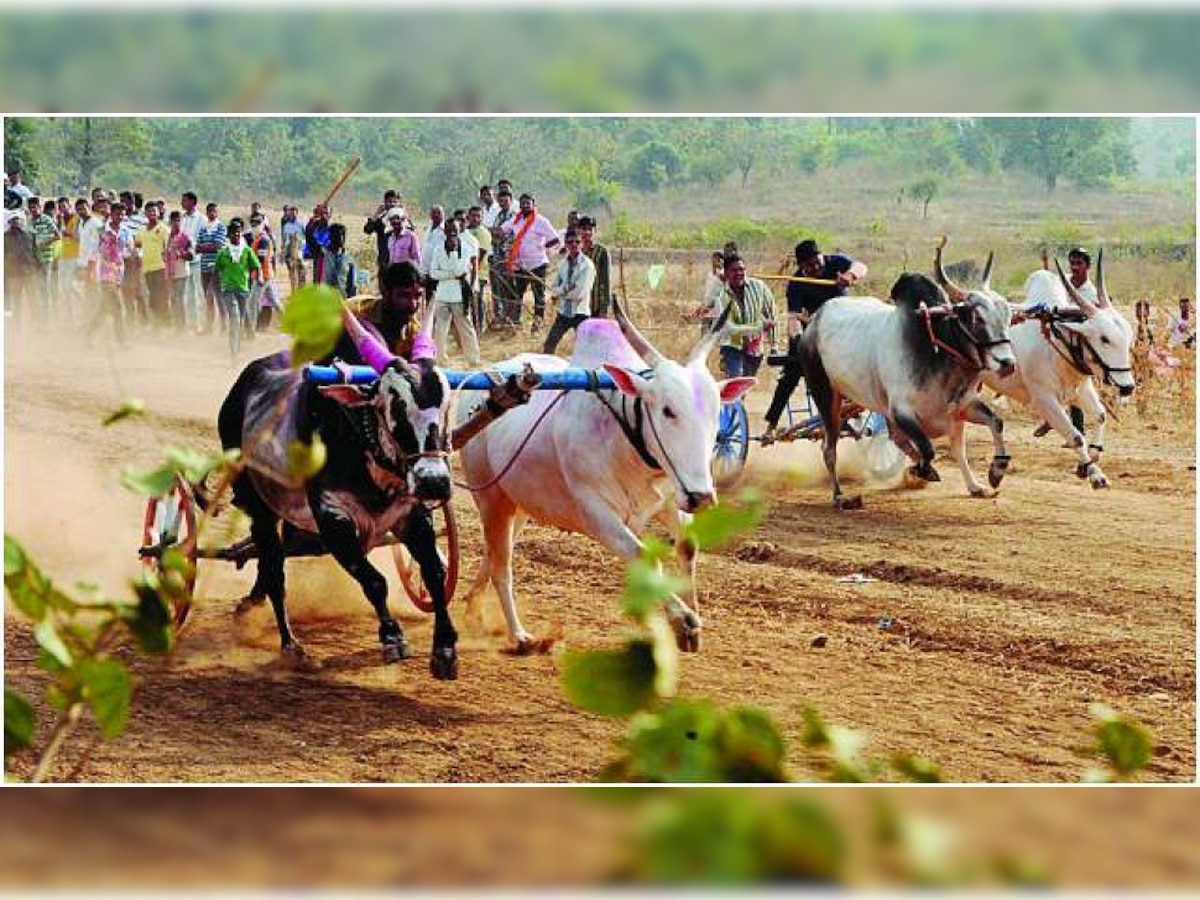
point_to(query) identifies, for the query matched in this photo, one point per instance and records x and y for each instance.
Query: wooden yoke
(513, 391)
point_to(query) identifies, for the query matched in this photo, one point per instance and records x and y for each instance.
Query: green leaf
(134, 406)
(718, 524)
(752, 746)
(305, 461)
(680, 743)
(1123, 741)
(108, 691)
(155, 483)
(918, 769)
(313, 316)
(647, 585)
(48, 639)
(802, 842)
(611, 682)
(150, 621)
(816, 733)
(25, 583)
(18, 723)
(194, 465)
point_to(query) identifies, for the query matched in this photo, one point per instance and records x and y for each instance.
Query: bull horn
(709, 340)
(955, 293)
(640, 345)
(1101, 290)
(1077, 298)
(987, 271)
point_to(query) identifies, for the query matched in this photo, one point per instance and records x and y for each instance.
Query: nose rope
(670, 463)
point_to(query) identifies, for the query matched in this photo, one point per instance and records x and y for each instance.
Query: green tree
(88, 143)
(1053, 148)
(925, 190)
(19, 149)
(654, 165)
(584, 180)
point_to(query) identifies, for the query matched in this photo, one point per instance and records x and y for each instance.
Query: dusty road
(1008, 616)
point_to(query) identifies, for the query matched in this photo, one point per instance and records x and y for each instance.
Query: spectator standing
(70, 221)
(450, 270)
(488, 207)
(209, 240)
(178, 258)
(337, 265)
(1183, 326)
(751, 320)
(573, 282)
(46, 238)
(503, 287)
(20, 266)
(316, 240)
(189, 223)
(602, 292)
(714, 283)
(532, 235)
(113, 250)
(262, 291)
(152, 241)
(17, 186)
(483, 237)
(292, 234)
(402, 244)
(233, 267)
(377, 224)
(1142, 311)
(433, 233)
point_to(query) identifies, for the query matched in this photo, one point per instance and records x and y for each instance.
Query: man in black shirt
(804, 298)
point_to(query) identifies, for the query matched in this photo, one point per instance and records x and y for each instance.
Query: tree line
(589, 162)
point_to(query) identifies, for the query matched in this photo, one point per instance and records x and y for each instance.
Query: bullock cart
(172, 522)
(883, 458)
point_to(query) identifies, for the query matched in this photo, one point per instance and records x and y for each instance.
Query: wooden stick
(826, 281)
(345, 176)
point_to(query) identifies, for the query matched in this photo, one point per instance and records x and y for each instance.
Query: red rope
(475, 488)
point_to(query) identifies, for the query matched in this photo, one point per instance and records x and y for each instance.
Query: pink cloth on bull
(599, 341)
(424, 347)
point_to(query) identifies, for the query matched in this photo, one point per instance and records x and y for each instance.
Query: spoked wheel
(884, 459)
(733, 444)
(170, 524)
(410, 572)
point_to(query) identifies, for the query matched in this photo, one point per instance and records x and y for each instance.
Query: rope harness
(941, 346)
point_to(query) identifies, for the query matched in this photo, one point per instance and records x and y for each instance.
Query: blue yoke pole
(560, 380)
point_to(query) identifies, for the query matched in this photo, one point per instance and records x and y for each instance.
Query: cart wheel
(884, 459)
(410, 572)
(733, 444)
(171, 523)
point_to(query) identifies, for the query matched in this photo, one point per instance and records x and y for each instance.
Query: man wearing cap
(527, 262)
(830, 275)
(401, 243)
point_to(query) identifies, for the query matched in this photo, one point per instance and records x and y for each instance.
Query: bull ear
(349, 394)
(732, 388)
(628, 383)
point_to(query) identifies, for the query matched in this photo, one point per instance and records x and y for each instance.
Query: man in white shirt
(193, 291)
(433, 234)
(572, 288)
(489, 206)
(449, 268)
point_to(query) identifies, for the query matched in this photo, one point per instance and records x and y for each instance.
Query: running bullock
(386, 459)
(1066, 343)
(602, 464)
(917, 362)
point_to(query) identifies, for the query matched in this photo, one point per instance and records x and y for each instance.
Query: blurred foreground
(351, 838)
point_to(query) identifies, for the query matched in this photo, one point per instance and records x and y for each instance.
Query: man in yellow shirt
(152, 243)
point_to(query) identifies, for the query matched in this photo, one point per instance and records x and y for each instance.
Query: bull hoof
(531, 646)
(443, 664)
(394, 653)
(978, 492)
(845, 503)
(1081, 470)
(925, 472)
(296, 658)
(688, 640)
(998, 469)
(1097, 480)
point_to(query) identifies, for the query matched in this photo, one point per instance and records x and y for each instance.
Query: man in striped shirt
(210, 238)
(45, 236)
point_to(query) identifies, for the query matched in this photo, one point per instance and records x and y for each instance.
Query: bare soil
(988, 627)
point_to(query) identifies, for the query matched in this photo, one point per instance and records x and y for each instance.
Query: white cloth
(189, 224)
(432, 235)
(446, 268)
(470, 248)
(489, 215)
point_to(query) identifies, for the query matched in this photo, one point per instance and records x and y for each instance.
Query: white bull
(1058, 354)
(602, 464)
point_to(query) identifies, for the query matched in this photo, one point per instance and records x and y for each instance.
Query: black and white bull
(386, 464)
(918, 362)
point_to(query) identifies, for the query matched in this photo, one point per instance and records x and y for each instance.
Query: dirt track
(1008, 616)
